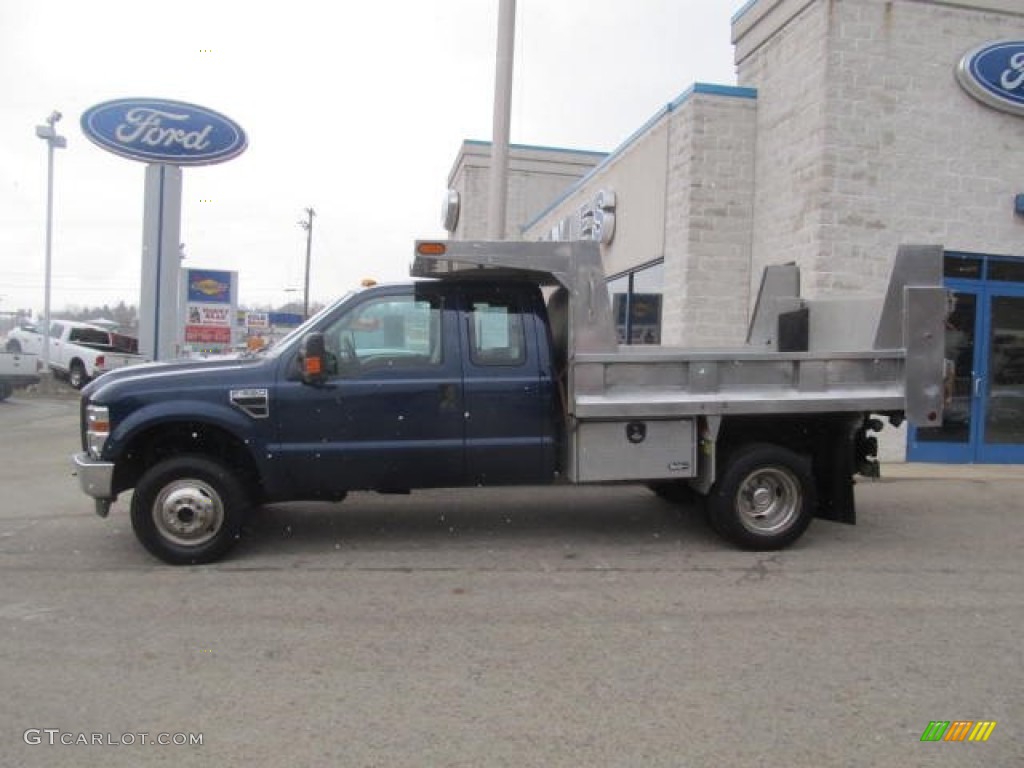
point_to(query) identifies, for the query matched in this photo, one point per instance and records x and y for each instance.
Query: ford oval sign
(994, 74)
(162, 131)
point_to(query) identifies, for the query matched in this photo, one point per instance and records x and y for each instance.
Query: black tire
(13, 345)
(764, 498)
(188, 510)
(676, 492)
(77, 377)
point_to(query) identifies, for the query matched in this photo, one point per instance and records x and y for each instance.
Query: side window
(496, 332)
(386, 332)
(88, 336)
(56, 329)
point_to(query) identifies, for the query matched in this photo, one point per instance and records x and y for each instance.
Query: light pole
(48, 133)
(307, 225)
(497, 199)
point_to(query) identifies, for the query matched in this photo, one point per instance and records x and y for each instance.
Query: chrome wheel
(768, 500)
(188, 512)
(189, 509)
(764, 498)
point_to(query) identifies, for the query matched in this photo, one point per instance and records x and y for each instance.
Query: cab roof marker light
(431, 248)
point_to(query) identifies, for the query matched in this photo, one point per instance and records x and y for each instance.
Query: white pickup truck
(78, 351)
(16, 371)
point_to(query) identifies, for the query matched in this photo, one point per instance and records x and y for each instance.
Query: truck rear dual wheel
(77, 376)
(764, 499)
(188, 510)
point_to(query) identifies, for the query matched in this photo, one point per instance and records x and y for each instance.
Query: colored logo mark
(163, 131)
(210, 287)
(994, 74)
(958, 730)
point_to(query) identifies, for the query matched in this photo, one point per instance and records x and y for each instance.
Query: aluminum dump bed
(802, 356)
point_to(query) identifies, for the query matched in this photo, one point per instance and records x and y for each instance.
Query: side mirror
(313, 359)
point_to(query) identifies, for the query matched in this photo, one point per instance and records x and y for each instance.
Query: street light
(307, 225)
(48, 133)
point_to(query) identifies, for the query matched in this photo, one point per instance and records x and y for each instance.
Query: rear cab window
(496, 333)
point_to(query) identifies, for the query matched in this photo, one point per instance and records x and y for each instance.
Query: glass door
(984, 422)
(1001, 389)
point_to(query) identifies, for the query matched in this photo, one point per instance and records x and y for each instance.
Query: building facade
(855, 126)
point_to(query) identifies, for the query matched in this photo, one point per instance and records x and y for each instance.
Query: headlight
(97, 428)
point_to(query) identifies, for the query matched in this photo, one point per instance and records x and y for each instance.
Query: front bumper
(96, 479)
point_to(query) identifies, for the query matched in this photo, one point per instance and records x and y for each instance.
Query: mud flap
(843, 449)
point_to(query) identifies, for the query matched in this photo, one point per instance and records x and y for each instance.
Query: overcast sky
(355, 109)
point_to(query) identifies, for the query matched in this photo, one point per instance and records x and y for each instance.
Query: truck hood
(171, 375)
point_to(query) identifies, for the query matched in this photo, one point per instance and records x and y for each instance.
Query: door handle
(979, 385)
(448, 396)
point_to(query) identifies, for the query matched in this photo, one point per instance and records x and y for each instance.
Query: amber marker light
(431, 248)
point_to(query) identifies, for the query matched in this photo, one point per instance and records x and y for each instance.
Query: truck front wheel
(188, 510)
(764, 499)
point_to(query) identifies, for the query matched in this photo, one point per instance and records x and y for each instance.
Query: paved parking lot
(535, 627)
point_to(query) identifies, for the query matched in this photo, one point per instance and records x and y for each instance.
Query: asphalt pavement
(524, 627)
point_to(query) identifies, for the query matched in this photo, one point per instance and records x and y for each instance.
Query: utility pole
(307, 224)
(498, 198)
(48, 133)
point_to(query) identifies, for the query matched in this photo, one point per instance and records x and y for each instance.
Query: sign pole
(161, 263)
(54, 141)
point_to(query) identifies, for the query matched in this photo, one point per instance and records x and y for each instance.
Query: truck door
(509, 392)
(390, 416)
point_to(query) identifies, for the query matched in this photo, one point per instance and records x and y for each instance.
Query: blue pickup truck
(501, 367)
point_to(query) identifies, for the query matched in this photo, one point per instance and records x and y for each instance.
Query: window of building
(636, 303)
(969, 266)
(1006, 271)
(962, 266)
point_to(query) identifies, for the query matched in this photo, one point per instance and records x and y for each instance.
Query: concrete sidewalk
(913, 470)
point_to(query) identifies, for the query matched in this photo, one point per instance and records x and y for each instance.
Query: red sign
(207, 334)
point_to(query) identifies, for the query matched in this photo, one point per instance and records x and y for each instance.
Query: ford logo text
(994, 74)
(163, 131)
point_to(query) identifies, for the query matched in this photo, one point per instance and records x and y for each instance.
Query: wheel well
(800, 434)
(193, 437)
